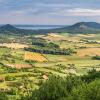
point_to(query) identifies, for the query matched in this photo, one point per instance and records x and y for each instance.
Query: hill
(85, 25)
(82, 27)
(9, 29)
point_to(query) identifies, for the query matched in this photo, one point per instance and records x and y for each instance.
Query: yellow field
(35, 57)
(54, 37)
(86, 35)
(89, 52)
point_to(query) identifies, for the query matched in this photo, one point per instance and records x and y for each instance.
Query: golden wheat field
(35, 57)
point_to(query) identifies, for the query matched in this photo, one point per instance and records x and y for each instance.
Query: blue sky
(63, 12)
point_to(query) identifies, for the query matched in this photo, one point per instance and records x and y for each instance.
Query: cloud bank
(48, 11)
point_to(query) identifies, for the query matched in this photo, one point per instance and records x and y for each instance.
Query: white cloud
(85, 12)
(79, 12)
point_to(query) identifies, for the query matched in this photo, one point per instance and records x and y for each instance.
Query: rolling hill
(82, 27)
(85, 27)
(9, 29)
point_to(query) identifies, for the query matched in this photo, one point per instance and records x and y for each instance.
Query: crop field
(35, 57)
(53, 37)
(14, 45)
(89, 52)
(19, 66)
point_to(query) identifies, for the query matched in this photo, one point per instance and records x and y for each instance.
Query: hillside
(9, 29)
(82, 27)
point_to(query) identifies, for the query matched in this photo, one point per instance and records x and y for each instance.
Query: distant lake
(36, 27)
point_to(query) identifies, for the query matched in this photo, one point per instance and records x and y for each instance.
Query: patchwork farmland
(19, 65)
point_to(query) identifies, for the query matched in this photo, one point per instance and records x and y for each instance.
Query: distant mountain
(12, 30)
(85, 25)
(81, 27)
(9, 29)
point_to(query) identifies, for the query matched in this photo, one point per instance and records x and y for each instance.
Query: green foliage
(70, 88)
(51, 50)
(3, 96)
(43, 43)
(51, 90)
(92, 75)
(12, 70)
(9, 78)
(89, 91)
(56, 88)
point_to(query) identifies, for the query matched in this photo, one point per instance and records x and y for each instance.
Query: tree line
(42, 46)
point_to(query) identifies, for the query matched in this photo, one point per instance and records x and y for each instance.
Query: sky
(49, 12)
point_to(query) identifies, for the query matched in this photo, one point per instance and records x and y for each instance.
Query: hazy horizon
(21, 24)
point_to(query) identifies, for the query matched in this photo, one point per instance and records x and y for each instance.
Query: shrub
(9, 78)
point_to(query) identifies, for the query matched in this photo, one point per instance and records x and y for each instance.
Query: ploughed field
(19, 65)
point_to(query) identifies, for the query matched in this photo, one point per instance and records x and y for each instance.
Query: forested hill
(9, 29)
(81, 27)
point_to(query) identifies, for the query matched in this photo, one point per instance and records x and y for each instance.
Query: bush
(70, 88)
(12, 70)
(3, 96)
(92, 75)
(89, 91)
(10, 78)
(56, 88)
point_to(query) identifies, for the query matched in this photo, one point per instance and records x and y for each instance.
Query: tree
(3, 96)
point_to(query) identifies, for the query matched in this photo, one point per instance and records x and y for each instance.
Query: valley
(26, 62)
(49, 49)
